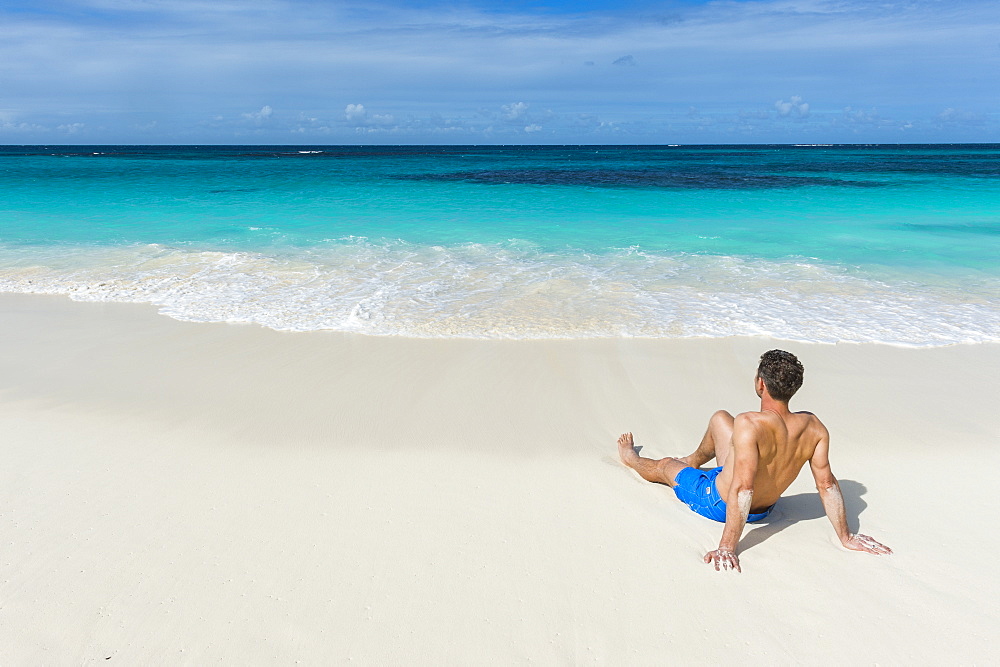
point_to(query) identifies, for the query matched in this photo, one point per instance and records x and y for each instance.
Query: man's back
(784, 442)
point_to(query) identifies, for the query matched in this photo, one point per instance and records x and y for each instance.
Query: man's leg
(662, 471)
(716, 442)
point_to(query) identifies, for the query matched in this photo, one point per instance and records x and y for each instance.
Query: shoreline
(514, 291)
(461, 330)
(199, 491)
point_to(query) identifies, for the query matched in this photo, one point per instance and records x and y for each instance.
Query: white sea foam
(511, 291)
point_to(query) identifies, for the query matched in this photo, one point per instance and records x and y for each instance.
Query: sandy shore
(195, 493)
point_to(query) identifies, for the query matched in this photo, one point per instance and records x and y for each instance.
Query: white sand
(193, 493)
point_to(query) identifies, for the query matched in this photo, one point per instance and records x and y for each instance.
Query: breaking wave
(512, 290)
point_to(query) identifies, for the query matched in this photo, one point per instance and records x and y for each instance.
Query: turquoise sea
(894, 244)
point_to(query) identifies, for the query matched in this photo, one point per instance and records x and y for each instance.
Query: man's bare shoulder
(811, 421)
(754, 421)
(803, 422)
(754, 417)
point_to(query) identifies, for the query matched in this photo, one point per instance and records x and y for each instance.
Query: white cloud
(14, 126)
(70, 128)
(532, 128)
(948, 114)
(853, 116)
(355, 113)
(794, 107)
(954, 117)
(9, 122)
(514, 111)
(261, 116)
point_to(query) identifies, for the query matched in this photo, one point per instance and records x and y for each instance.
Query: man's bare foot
(626, 449)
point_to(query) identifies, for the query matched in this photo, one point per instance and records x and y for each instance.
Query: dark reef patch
(641, 178)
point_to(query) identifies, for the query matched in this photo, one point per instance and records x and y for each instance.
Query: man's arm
(833, 501)
(745, 456)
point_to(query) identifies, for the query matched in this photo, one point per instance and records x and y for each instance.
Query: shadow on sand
(803, 507)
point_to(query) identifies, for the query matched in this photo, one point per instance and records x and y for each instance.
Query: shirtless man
(759, 455)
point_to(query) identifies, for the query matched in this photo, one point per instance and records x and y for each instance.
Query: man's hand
(724, 559)
(865, 543)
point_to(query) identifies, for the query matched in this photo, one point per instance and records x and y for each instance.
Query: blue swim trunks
(696, 489)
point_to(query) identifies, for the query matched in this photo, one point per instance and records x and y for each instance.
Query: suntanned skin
(761, 454)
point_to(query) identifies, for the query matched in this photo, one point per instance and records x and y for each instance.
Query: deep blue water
(895, 244)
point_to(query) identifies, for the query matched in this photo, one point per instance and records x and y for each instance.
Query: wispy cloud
(261, 116)
(195, 67)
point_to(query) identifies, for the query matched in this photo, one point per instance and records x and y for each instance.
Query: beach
(326, 327)
(178, 492)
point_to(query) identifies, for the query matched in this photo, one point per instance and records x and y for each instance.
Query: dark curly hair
(781, 373)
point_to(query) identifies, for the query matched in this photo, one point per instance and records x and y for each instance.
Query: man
(759, 455)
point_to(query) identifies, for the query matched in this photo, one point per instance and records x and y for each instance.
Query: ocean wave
(511, 290)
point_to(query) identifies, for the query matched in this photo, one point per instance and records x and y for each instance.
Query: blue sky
(422, 71)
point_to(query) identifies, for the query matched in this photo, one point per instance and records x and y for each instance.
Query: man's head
(781, 373)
